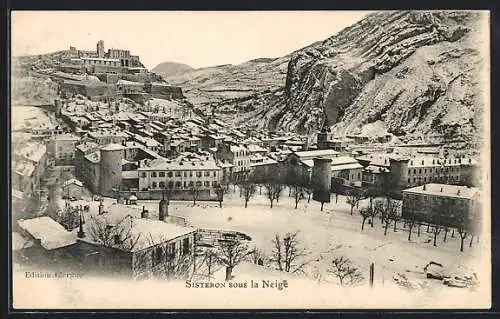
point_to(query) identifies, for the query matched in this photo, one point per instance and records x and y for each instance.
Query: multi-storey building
(443, 204)
(104, 137)
(239, 156)
(139, 246)
(29, 163)
(417, 170)
(62, 148)
(181, 174)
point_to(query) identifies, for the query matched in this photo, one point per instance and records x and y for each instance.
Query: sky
(196, 38)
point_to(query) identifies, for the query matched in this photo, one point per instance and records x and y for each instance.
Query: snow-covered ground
(333, 232)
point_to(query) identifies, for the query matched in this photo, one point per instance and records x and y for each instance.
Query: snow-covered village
(357, 165)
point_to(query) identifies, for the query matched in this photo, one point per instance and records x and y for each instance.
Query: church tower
(324, 136)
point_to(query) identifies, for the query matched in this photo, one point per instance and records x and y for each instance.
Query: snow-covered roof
(376, 169)
(130, 174)
(73, 181)
(178, 165)
(67, 137)
(51, 234)
(147, 232)
(112, 147)
(346, 166)
(94, 157)
(125, 82)
(303, 155)
(444, 190)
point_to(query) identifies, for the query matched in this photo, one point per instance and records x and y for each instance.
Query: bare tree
(220, 191)
(365, 214)
(69, 217)
(389, 213)
(373, 213)
(208, 264)
(353, 199)
(347, 273)
(273, 191)
(248, 189)
(371, 193)
(411, 222)
(462, 231)
(114, 236)
(436, 230)
(231, 253)
(463, 227)
(195, 193)
(287, 253)
(258, 256)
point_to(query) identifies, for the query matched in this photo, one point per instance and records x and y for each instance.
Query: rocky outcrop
(417, 72)
(413, 74)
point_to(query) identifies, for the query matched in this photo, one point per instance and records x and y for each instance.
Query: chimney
(458, 192)
(422, 162)
(144, 213)
(81, 233)
(101, 207)
(441, 190)
(470, 160)
(424, 187)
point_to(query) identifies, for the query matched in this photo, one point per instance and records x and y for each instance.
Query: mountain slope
(411, 74)
(171, 69)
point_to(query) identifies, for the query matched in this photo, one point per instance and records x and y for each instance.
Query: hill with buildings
(171, 69)
(412, 75)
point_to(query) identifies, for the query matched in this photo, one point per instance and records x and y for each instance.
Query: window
(409, 171)
(191, 183)
(153, 174)
(170, 251)
(425, 179)
(214, 183)
(178, 174)
(190, 174)
(143, 175)
(169, 174)
(162, 184)
(359, 175)
(207, 183)
(414, 179)
(185, 174)
(409, 180)
(207, 174)
(420, 171)
(177, 184)
(215, 173)
(185, 184)
(154, 184)
(198, 174)
(425, 170)
(198, 183)
(414, 171)
(186, 249)
(157, 255)
(161, 174)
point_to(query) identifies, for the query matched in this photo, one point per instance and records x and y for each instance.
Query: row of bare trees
(388, 212)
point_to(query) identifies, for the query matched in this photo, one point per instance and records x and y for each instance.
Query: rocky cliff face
(411, 74)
